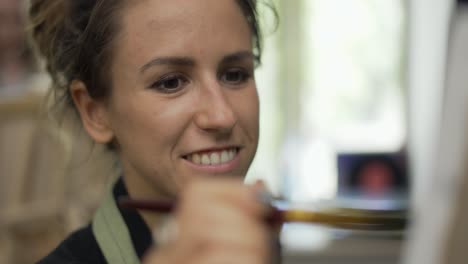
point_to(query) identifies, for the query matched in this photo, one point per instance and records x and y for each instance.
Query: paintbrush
(348, 218)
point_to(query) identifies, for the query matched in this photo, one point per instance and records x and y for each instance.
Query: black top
(81, 246)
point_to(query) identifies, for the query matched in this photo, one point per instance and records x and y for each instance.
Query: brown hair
(75, 37)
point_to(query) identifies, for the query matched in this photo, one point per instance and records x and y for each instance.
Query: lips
(213, 157)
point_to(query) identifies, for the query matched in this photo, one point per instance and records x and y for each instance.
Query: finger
(229, 256)
(223, 220)
(228, 191)
(167, 232)
(234, 231)
(219, 225)
(259, 185)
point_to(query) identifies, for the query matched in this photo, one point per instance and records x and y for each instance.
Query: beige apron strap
(112, 234)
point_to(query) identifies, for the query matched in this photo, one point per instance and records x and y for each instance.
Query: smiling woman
(170, 86)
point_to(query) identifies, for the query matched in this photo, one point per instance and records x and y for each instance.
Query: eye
(235, 76)
(170, 83)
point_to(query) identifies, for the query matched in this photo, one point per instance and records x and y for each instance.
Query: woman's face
(184, 103)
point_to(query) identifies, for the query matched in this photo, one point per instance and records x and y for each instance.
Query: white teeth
(213, 158)
(232, 153)
(225, 157)
(205, 159)
(196, 158)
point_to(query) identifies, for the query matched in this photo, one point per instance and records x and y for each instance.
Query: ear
(93, 113)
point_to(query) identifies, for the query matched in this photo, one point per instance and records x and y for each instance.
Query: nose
(215, 112)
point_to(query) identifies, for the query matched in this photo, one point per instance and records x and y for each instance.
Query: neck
(142, 188)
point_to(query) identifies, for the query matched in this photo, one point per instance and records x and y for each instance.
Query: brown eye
(170, 84)
(235, 76)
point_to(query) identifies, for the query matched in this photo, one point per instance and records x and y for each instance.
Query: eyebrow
(187, 61)
(178, 61)
(237, 56)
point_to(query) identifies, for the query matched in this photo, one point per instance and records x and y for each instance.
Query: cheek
(150, 126)
(248, 107)
(253, 105)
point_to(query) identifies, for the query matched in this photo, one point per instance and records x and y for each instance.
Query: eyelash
(158, 85)
(245, 75)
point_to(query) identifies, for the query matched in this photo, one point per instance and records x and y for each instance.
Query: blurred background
(332, 87)
(360, 101)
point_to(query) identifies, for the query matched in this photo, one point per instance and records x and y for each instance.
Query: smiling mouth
(213, 158)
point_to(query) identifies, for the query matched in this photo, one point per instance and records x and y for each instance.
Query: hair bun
(46, 18)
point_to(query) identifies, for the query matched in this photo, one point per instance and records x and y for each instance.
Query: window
(331, 83)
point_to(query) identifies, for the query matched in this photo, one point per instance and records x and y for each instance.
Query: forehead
(169, 27)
